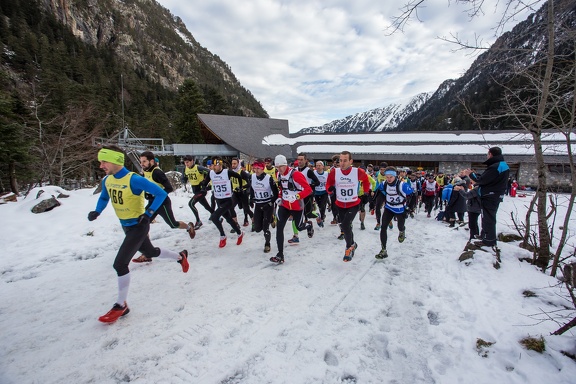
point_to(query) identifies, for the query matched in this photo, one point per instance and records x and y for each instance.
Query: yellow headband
(111, 156)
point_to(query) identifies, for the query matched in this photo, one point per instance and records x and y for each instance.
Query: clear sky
(312, 62)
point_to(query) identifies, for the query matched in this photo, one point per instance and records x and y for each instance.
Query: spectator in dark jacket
(473, 208)
(456, 204)
(491, 188)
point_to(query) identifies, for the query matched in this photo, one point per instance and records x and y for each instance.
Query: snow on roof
(512, 143)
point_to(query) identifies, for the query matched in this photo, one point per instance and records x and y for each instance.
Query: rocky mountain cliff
(157, 43)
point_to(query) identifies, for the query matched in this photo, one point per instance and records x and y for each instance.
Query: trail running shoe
(115, 313)
(362, 226)
(142, 259)
(240, 237)
(222, 243)
(349, 253)
(390, 225)
(382, 255)
(377, 227)
(191, 231)
(341, 237)
(294, 240)
(197, 225)
(279, 258)
(184, 261)
(401, 237)
(310, 229)
(320, 222)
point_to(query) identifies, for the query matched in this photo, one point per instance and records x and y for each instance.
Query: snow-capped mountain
(375, 120)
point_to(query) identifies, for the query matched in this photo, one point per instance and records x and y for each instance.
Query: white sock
(168, 254)
(123, 286)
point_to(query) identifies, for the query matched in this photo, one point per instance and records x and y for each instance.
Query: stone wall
(528, 176)
(452, 167)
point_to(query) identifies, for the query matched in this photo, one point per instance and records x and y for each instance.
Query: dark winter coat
(494, 180)
(457, 203)
(472, 200)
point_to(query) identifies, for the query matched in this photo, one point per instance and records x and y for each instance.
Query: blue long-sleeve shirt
(138, 185)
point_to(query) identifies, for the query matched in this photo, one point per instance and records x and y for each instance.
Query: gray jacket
(472, 200)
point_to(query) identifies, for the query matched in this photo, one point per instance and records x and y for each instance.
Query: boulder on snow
(46, 205)
(508, 237)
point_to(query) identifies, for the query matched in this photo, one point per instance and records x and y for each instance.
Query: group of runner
(270, 196)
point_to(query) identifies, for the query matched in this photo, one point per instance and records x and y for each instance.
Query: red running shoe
(240, 237)
(184, 261)
(222, 242)
(115, 313)
(191, 230)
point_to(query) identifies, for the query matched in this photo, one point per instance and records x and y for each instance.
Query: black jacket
(493, 181)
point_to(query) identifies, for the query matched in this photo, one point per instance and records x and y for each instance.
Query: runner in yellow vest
(125, 190)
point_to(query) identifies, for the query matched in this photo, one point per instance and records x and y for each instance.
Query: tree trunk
(543, 258)
(13, 181)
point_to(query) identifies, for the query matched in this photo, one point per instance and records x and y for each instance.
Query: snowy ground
(236, 318)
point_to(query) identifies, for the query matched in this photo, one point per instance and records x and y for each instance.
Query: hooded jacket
(493, 181)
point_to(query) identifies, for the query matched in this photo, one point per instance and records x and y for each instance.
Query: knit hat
(280, 160)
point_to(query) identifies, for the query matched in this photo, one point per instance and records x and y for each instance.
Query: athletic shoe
(294, 240)
(411, 215)
(320, 222)
(341, 237)
(184, 261)
(362, 226)
(222, 242)
(428, 215)
(333, 222)
(142, 259)
(245, 223)
(349, 253)
(310, 229)
(377, 227)
(115, 313)
(198, 225)
(279, 258)
(382, 255)
(401, 237)
(191, 231)
(266, 248)
(372, 212)
(390, 225)
(240, 237)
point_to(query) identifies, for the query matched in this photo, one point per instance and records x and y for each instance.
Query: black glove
(332, 189)
(251, 203)
(364, 198)
(144, 219)
(93, 215)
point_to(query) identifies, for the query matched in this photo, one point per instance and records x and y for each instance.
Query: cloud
(311, 62)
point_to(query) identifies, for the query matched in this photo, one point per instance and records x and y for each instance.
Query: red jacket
(362, 178)
(302, 188)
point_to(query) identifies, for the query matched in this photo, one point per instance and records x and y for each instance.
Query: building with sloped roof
(448, 152)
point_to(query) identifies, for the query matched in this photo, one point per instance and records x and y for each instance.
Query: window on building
(559, 169)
